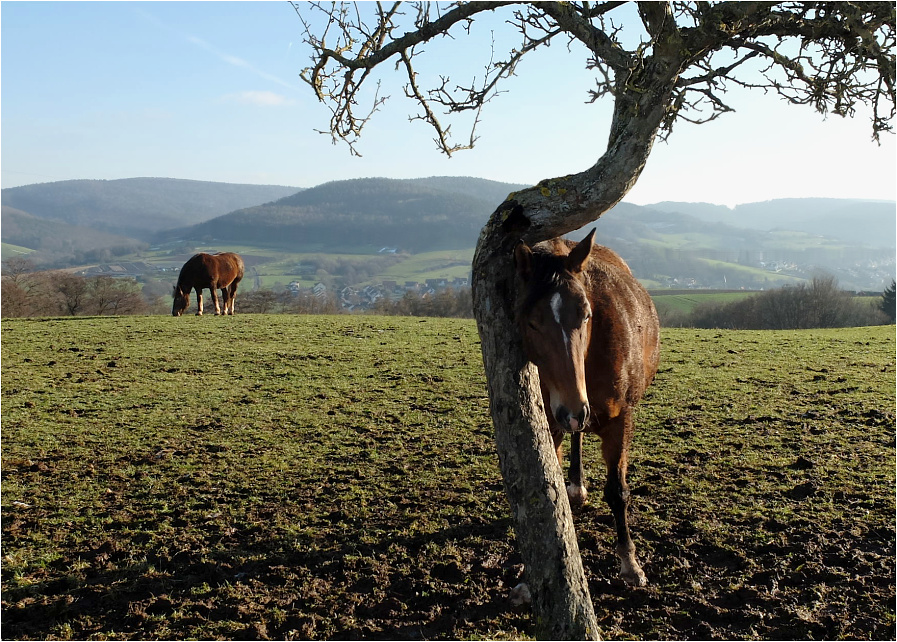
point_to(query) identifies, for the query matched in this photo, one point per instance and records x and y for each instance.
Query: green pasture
(686, 303)
(273, 265)
(296, 477)
(431, 265)
(10, 251)
(777, 239)
(774, 279)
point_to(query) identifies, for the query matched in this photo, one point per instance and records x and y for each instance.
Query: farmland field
(10, 251)
(286, 477)
(686, 303)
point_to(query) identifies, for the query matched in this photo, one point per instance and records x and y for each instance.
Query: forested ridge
(755, 245)
(58, 238)
(137, 207)
(407, 214)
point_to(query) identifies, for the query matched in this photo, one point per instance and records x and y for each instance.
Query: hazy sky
(211, 91)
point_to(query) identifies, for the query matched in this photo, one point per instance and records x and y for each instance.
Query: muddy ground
(338, 480)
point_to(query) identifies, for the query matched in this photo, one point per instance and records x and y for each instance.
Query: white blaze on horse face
(556, 303)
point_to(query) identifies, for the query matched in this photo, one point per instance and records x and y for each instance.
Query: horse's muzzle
(568, 422)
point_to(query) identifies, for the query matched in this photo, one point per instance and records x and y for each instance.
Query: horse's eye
(533, 326)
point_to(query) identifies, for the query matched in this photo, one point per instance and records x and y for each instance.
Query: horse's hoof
(578, 496)
(634, 576)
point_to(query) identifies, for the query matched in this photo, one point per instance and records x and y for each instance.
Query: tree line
(820, 303)
(29, 293)
(446, 303)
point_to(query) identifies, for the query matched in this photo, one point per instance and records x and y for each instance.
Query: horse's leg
(225, 294)
(615, 448)
(198, 301)
(233, 298)
(576, 489)
(214, 290)
(557, 433)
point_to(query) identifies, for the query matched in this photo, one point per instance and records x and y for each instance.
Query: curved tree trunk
(533, 478)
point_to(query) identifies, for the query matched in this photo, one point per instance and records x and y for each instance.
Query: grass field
(289, 477)
(686, 303)
(445, 264)
(10, 251)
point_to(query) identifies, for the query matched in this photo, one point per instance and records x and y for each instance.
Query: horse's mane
(547, 272)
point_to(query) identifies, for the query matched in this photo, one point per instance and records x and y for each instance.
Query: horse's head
(181, 301)
(554, 314)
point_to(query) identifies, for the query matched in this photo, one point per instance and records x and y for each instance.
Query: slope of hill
(10, 251)
(667, 244)
(137, 207)
(852, 221)
(414, 215)
(491, 191)
(57, 242)
(682, 250)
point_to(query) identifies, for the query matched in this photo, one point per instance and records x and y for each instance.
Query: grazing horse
(592, 331)
(212, 271)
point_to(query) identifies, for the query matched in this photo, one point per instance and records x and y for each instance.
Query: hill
(668, 244)
(851, 221)
(57, 242)
(136, 207)
(413, 215)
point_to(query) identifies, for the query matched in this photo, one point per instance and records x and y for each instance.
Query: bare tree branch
(830, 55)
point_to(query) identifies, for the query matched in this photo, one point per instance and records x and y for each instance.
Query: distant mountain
(486, 190)
(57, 242)
(415, 215)
(675, 249)
(137, 207)
(704, 245)
(852, 221)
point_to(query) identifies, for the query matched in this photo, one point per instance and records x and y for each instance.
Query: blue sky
(211, 91)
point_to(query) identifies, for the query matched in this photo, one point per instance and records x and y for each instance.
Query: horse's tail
(238, 265)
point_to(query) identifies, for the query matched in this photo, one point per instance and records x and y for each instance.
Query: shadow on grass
(448, 584)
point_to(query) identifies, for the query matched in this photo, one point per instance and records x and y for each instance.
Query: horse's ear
(523, 259)
(579, 255)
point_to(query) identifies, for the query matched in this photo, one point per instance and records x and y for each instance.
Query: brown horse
(592, 331)
(222, 270)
